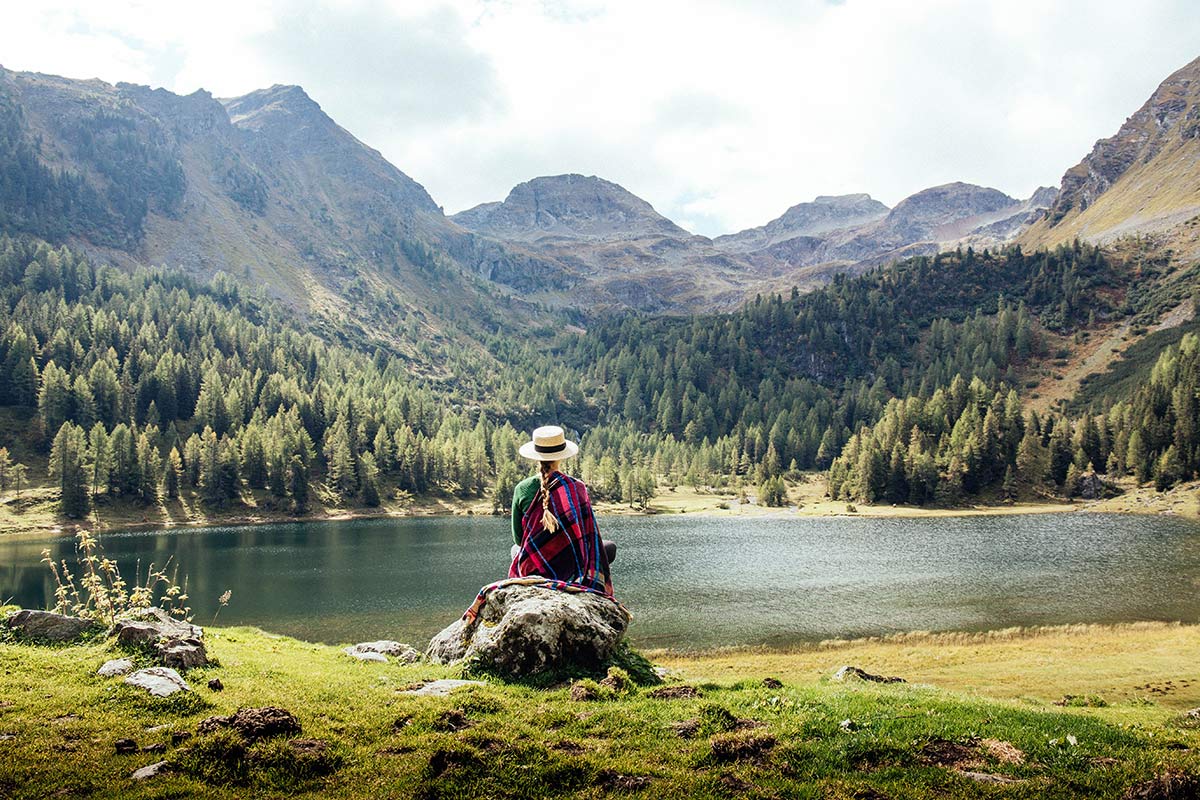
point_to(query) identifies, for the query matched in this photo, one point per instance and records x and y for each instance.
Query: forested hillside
(905, 383)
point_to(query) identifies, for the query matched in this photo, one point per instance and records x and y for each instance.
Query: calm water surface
(690, 582)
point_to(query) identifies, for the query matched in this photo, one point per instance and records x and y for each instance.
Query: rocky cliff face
(1143, 180)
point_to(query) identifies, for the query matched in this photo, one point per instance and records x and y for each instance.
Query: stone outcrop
(46, 626)
(175, 643)
(526, 630)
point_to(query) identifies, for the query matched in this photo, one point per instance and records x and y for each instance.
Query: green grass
(748, 738)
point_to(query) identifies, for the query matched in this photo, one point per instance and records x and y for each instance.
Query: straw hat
(549, 444)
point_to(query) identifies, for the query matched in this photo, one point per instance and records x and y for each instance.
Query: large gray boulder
(46, 626)
(525, 630)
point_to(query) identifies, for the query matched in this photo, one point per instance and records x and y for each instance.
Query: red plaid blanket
(574, 552)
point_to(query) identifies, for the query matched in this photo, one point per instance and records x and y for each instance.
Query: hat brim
(527, 451)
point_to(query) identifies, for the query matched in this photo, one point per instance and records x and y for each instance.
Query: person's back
(554, 527)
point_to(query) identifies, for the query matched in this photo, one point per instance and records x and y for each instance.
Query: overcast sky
(721, 114)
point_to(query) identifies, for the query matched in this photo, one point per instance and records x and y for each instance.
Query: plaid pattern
(574, 552)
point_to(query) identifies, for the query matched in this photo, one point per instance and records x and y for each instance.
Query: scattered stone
(741, 746)
(1167, 786)
(115, 667)
(376, 657)
(848, 725)
(441, 688)
(403, 653)
(674, 693)
(567, 746)
(157, 747)
(616, 782)
(849, 673)
(182, 654)
(1192, 713)
(215, 685)
(158, 681)
(65, 718)
(772, 683)
(158, 728)
(7, 737)
(150, 771)
(125, 746)
(253, 724)
(46, 626)
(177, 737)
(583, 693)
(525, 630)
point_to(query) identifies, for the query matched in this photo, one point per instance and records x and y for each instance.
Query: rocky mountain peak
(1169, 119)
(568, 206)
(824, 214)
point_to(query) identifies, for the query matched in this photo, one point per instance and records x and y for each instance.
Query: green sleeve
(522, 496)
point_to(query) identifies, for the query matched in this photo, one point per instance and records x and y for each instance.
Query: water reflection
(689, 581)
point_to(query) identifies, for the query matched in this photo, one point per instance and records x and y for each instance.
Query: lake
(689, 581)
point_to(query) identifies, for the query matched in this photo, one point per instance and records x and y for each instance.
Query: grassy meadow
(1065, 712)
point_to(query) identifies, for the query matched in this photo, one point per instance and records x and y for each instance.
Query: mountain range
(267, 188)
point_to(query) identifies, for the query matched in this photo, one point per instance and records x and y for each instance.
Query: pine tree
(298, 484)
(69, 470)
(173, 474)
(369, 478)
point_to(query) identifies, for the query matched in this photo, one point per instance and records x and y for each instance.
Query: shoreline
(826, 510)
(806, 500)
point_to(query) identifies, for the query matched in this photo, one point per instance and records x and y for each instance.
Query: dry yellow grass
(1123, 664)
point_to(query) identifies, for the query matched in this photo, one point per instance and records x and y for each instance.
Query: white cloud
(721, 114)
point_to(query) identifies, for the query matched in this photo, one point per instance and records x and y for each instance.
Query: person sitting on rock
(552, 521)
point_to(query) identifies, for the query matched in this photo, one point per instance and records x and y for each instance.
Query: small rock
(368, 656)
(179, 736)
(158, 681)
(125, 746)
(182, 654)
(46, 626)
(150, 771)
(403, 653)
(441, 688)
(157, 747)
(115, 667)
(849, 673)
(255, 723)
(7, 737)
(847, 725)
(215, 685)
(772, 683)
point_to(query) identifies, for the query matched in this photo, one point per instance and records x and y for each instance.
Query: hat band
(555, 448)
